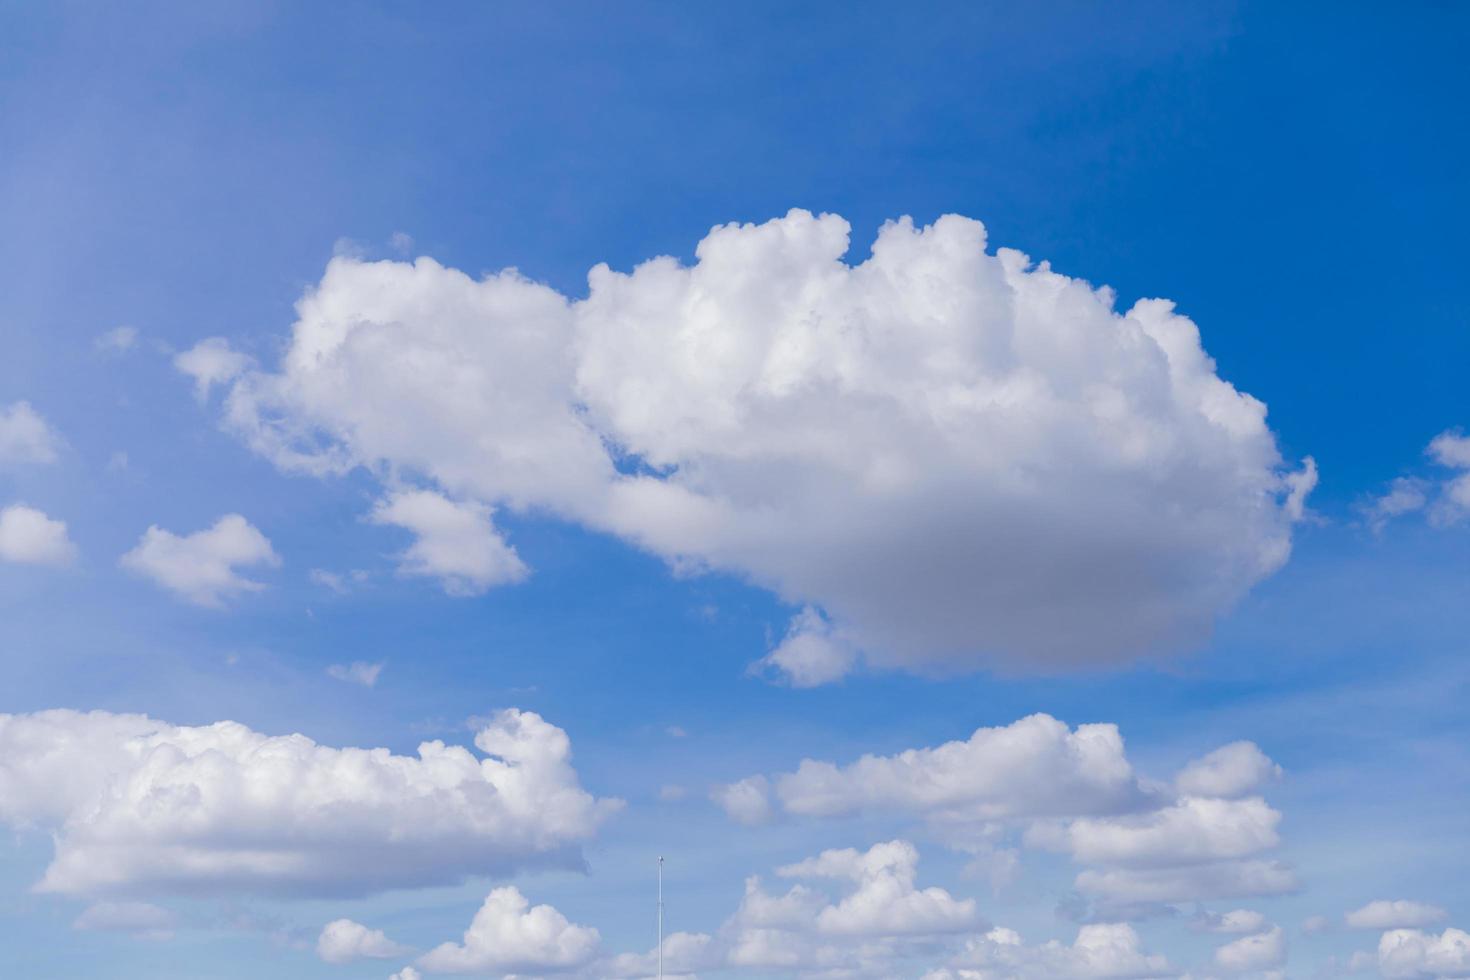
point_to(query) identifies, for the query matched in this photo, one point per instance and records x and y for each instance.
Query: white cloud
(882, 914)
(747, 802)
(211, 362)
(202, 567)
(1192, 830)
(1452, 449)
(1409, 954)
(116, 341)
(1400, 914)
(1111, 951)
(1261, 951)
(139, 918)
(936, 448)
(28, 536)
(684, 954)
(328, 580)
(508, 936)
(885, 901)
(357, 672)
(1405, 495)
(456, 542)
(812, 653)
(1033, 767)
(343, 941)
(407, 973)
(1067, 790)
(1446, 499)
(25, 437)
(137, 805)
(1230, 771)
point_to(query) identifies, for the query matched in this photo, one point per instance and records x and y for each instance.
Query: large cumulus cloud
(951, 456)
(139, 805)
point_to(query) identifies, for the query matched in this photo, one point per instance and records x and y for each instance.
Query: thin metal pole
(660, 918)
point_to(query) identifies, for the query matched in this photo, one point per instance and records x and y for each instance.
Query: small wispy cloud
(357, 672)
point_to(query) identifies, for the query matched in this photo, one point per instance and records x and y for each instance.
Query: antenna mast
(660, 918)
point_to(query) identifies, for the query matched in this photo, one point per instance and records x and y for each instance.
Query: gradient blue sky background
(1292, 176)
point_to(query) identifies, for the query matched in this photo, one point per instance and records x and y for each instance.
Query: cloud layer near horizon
(954, 457)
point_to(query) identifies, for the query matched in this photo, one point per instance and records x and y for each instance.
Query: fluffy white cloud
(1399, 914)
(812, 653)
(1111, 951)
(939, 448)
(343, 941)
(28, 536)
(1067, 790)
(139, 918)
(1190, 831)
(357, 672)
(202, 567)
(25, 437)
(138, 805)
(407, 973)
(1261, 951)
(882, 914)
(885, 901)
(1033, 767)
(455, 542)
(1409, 954)
(508, 936)
(1233, 770)
(211, 362)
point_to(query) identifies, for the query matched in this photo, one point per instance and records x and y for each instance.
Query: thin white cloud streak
(1395, 914)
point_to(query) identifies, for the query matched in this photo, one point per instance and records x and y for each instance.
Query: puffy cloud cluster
(1411, 954)
(881, 916)
(25, 437)
(1107, 951)
(138, 805)
(508, 936)
(343, 941)
(203, 567)
(951, 456)
(1067, 790)
(29, 537)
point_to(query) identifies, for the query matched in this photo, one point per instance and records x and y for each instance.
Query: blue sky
(1290, 178)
